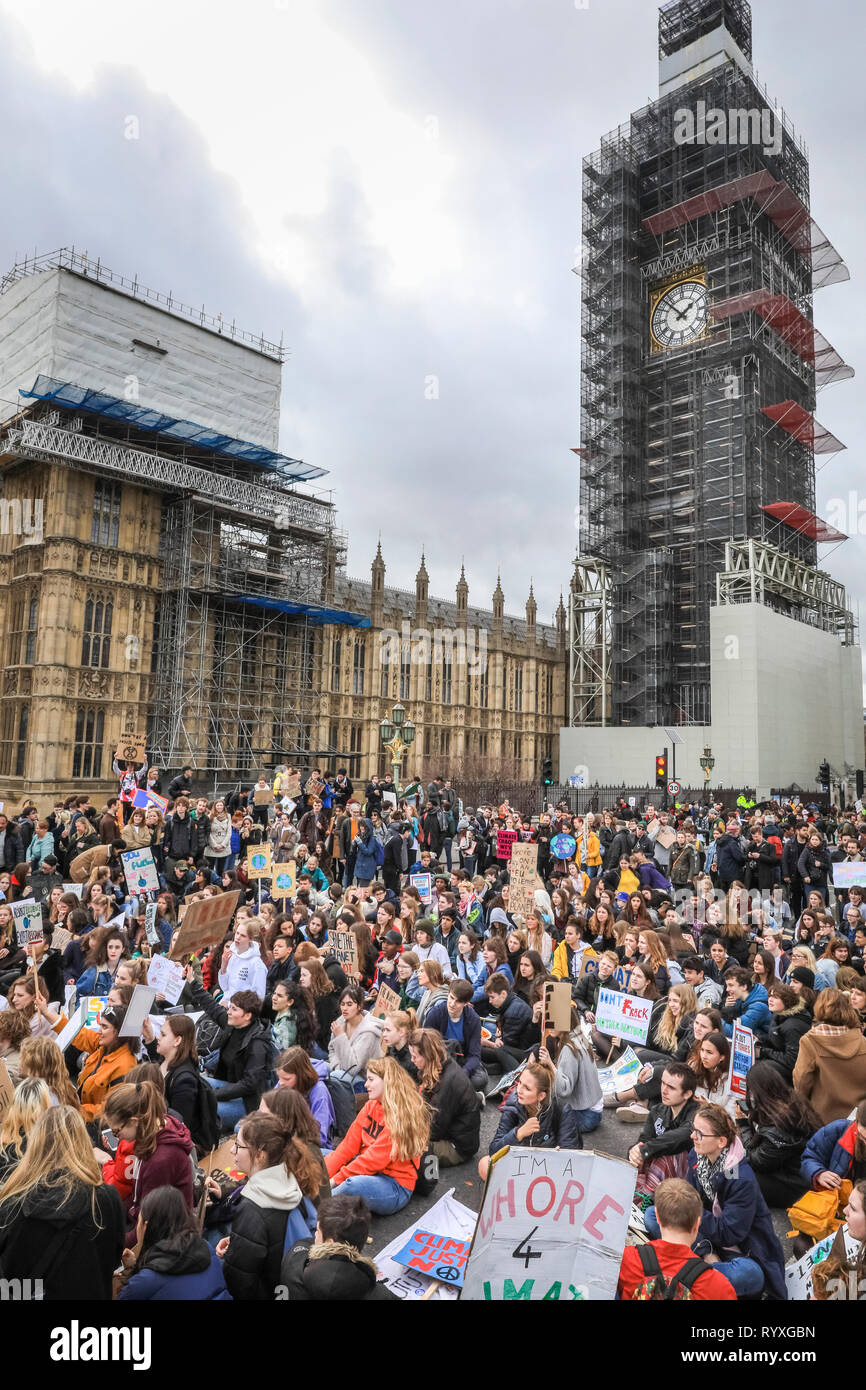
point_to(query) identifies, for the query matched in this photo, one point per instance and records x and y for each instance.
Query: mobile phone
(109, 1140)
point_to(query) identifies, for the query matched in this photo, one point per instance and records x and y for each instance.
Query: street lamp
(397, 735)
(708, 762)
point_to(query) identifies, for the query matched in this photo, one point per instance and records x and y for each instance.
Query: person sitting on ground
(455, 1127)
(457, 1022)
(298, 1072)
(836, 1153)
(666, 1265)
(333, 1266)
(380, 1157)
(531, 1116)
(239, 1065)
(161, 1144)
(355, 1037)
(513, 1022)
(776, 1126)
(173, 1262)
(745, 1003)
(831, 1064)
(791, 1021)
(576, 1085)
(666, 1137)
(707, 992)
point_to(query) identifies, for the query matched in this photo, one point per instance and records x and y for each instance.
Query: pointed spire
(422, 572)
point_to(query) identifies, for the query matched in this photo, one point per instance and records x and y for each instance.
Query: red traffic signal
(661, 769)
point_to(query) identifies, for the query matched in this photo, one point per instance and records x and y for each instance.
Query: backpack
(206, 1123)
(380, 853)
(655, 1287)
(207, 1034)
(343, 1100)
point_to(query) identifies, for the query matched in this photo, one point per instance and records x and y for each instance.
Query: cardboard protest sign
(623, 1016)
(182, 910)
(387, 1002)
(439, 1256)
(552, 1227)
(151, 930)
(742, 1058)
(448, 1218)
(283, 880)
(60, 938)
(139, 871)
(563, 846)
(315, 786)
(96, 1003)
(798, 1273)
(505, 841)
(588, 963)
(139, 1007)
(622, 1075)
(262, 796)
(27, 916)
(424, 884)
(132, 742)
(521, 878)
(345, 949)
(666, 837)
(166, 977)
(850, 875)
(76, 888)
(73, 1027)
(622, 975)
(556, 1007)
(6, 1087)
(259, 862)
(291, 786)
(204, 924)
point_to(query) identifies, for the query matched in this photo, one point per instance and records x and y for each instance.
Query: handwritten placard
(522, 874)
(439, 1256)
(505, 841)
(387, 1002)
(259, 862)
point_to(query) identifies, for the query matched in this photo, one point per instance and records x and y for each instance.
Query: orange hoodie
(366, 1150)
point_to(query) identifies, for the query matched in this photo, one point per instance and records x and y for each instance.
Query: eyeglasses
(236, 1146)
(700, 1134)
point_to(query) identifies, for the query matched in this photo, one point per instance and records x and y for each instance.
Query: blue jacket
(475, 971)
(558, 1128)
(437, 1018)
(751, 1012)
(365, 858)
(831, 1149)
(729, 858)
(92, 981)
(651, 877)
(743, 1222)
(156, 1287)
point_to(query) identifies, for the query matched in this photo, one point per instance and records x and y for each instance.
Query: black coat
(585, 992)
(334, 1279)
(515, 1020)
(327, 1012)
(181, 1092)
(247, 1066)
(64, 1246)
(761, 873)
(252, 1264)
(782, 1042)
(182, 839)
(456, 1112)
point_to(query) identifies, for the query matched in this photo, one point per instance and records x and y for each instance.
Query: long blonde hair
(30, 1098)
(407, 1116)
(41, 1057)
(666, 1033)
(58, 1158)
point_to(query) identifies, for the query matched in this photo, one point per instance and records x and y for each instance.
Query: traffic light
(824, 774)
(547, 772)
(662, 770)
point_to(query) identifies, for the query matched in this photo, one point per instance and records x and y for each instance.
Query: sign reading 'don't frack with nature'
(505, 840)
(522, 873)
(742, 1058)
(552, 1227)
(140, 871)
(623, 1016)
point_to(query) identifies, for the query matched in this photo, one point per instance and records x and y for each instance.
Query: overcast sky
(395, 185)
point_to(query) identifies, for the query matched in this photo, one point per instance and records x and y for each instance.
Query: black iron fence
(531, 798)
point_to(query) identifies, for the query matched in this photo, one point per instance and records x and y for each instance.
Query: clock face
(681, 314)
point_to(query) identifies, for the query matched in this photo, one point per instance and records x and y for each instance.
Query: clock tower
(701, 365)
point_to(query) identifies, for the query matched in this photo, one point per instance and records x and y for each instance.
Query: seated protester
(530, 977)
(326, 1000)
(78, 922)
(643, 985)
(14, 1028)
(407, 985)
(455, 1125)
(791, 1020)
(160, 1143)
(830, 1070)
(109, 1056)
(495, 955)
(333, 1266)
(448, 934)
(355, 1037)
(585, 992)
(241, 966)
(58, 1221)
(512, 1019)
(297, 1072)
(532, 1117)
(396, 1031)
(108, 948)
(295, 1019)
(239, 1067)
(178, 1055)
(367, 955)
(667, 1133)
(427, 948)
(172, 1261)
(836, 954)
(456, 1021)
(707, 992)
(281, 968)
(270, 1212)
(736, 1226)
(653, 954)
(388, 961)
(568, 955)
(649, 1271)
(42, 1058)
(836, 1153)
(576, 1085)
(717, 963)
(471, 965)
(840, 1275)
(30, 1097)
(291, 1109)
(669, 1026)
(858, 1002)
(433, 988)
(744, 1002)
(710, 1060)
(380, 1157)
(776, 1125)
(636, 1100)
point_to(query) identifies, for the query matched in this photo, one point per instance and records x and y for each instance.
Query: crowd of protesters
(337, 1111)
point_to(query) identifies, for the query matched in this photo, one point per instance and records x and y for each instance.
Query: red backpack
(655, 1286)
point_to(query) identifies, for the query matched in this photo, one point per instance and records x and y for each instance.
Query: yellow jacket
(628, 882)
(593, 851)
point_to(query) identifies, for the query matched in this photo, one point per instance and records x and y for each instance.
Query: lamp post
(708, 762)
(397, 735)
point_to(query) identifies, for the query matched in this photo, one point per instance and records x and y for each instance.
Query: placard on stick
(387, 1002)
(556, 1007)
(132, 743)
(204, 924)
(522, 873)
(259, 862)
(345, 949)
(284, 880)
(263, 796)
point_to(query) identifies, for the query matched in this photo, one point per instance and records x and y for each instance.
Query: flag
(144, 798)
